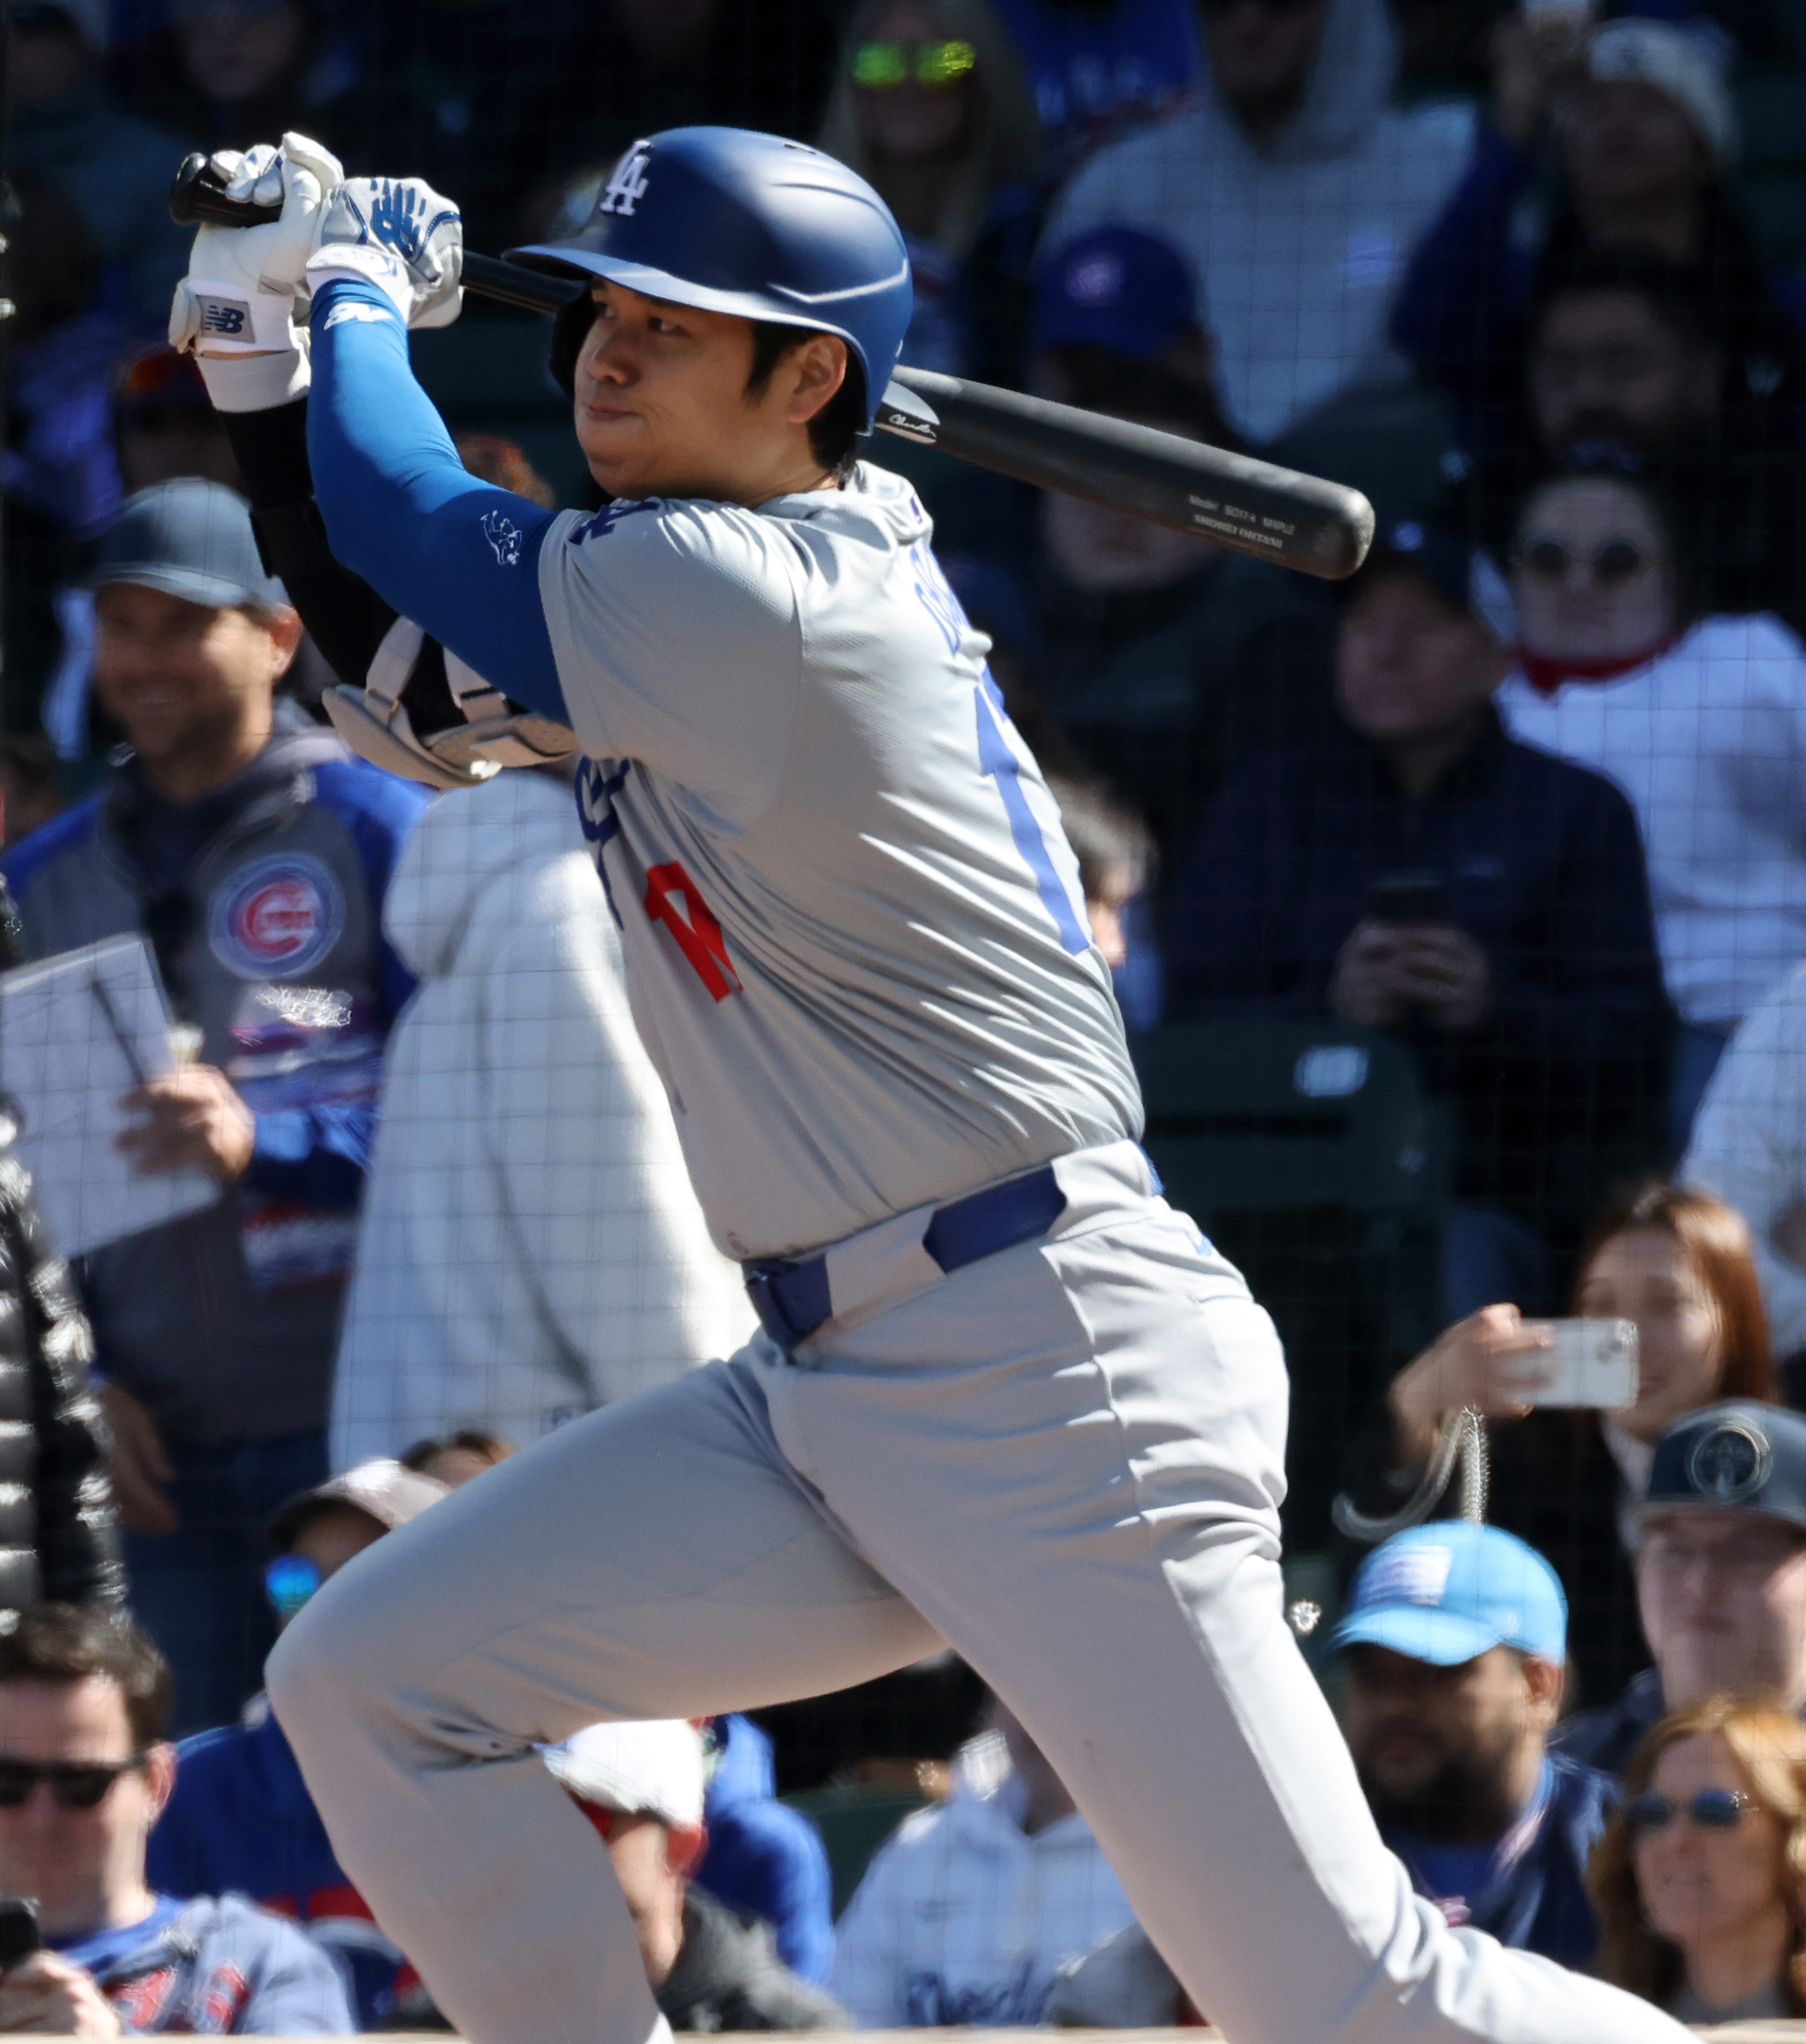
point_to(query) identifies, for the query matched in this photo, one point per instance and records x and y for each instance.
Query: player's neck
(794, 479)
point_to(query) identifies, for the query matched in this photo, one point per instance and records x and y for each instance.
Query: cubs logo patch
(1730, 1463)
(277, 919)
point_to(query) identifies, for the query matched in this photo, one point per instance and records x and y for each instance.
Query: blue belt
(792, 1299)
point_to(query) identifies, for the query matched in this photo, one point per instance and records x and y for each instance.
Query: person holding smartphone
(86, 1768)
(1420, 872)
(1676, 1263)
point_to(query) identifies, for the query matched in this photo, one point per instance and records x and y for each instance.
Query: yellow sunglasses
(880, 66)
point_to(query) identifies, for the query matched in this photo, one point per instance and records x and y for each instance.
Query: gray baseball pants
(1064, 1460)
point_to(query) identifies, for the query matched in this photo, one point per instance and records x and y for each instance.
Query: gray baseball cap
(190, 538)
(381, 1488)
(1735, 1456)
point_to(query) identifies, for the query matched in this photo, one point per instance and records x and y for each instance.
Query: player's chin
(614, 441)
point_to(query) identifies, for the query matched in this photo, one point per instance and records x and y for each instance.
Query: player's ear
(817, 369)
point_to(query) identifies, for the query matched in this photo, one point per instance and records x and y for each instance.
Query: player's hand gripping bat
(1277, 514)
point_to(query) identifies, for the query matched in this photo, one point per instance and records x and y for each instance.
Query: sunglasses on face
(289, 1581)
(881, 67)
(73, 1784)
(1611, 562)
(1710, 1810)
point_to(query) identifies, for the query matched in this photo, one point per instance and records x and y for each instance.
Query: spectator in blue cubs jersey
(253, 856)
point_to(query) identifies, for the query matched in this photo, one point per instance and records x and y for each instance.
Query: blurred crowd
(1520, 807)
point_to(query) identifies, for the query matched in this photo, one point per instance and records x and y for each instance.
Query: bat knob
(198, 193)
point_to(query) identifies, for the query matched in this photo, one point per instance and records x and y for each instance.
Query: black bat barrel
(1300, 521)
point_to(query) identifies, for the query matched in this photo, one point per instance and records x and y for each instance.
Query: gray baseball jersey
(856, 945)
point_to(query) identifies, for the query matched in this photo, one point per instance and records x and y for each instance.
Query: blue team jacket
(1535, 1900)
(241, 1819)
(764, 1857)
(264, 903)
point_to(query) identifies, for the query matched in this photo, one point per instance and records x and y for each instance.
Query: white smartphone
(1595, 1364)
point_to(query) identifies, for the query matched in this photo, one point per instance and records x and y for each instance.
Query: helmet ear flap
(569, 331)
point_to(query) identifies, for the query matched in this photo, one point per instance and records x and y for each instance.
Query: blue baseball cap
(1449, 1592)
(1113, 287)
(190, 538)
(1415, 545)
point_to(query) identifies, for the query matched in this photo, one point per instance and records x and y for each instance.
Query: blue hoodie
(1530, 1892)
(213, 1968)
(764, 1857)
(241, 1819)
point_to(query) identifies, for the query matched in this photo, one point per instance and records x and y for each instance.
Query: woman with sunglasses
(1699, 1880)
(931, 107)
(1701, 720)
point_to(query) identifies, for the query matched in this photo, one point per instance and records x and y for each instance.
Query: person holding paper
(253, 855)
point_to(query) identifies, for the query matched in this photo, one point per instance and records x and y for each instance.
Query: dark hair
(1729, 279)
(467, 1440)
(1769, 1746)
(834, 431)
(1715, 1239)
(75, 1642)
(1675, 294)
(1099, 379)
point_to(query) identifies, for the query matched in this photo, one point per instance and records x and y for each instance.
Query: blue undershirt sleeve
(456, 555)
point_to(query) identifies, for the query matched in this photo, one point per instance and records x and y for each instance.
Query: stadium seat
(854, 1821)
(1314, 1157)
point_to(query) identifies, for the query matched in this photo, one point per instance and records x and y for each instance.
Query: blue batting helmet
(732, 221)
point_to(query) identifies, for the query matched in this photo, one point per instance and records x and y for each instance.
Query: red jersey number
(672, 899)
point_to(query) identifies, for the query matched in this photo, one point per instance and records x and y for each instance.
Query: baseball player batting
(1005, 1396)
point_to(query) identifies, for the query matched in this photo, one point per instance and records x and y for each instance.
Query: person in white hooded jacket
(1749, 1147)
(968, 1916)
(1294, 193)
(530, 1247)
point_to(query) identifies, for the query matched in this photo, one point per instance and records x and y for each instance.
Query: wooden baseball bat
(1277, 514)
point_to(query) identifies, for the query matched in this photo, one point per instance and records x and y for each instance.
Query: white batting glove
(238, 296)
(398, 234)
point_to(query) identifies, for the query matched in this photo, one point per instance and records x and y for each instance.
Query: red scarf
(1546, 672)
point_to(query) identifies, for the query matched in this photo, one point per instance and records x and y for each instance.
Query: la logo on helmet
(628, 186)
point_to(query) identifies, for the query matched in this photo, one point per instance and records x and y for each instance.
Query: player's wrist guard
(424, 714)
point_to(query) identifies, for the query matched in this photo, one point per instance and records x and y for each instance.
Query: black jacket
(58, 1538)
(1539, 863)
(729, 1977)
